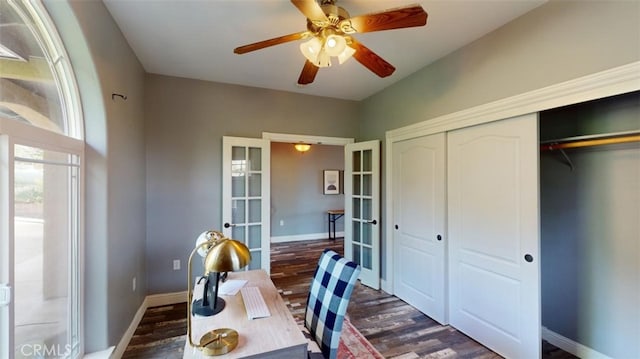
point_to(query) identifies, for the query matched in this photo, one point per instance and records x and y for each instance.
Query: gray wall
(297, 198)
(555, 42)
(185, 121)
(590, 229)
(115, 228)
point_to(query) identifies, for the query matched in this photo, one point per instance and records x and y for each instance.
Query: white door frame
(317, 140)
(607, 83)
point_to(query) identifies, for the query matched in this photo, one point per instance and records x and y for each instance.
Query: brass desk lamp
(221, 255)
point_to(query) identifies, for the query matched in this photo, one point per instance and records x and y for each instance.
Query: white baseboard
(304, 237)
(103, 354)
(571, 346)
(128, 334)
(155, 300)
(149, 301)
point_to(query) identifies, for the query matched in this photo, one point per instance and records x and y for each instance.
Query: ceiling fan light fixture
(335, 45)
(324, 60)
(346, 54)
(302, 147)
(313, 51)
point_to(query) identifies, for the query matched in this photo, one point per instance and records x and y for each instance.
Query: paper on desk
(231, 286)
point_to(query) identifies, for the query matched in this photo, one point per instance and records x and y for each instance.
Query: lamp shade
(226, 256)
(345, 54)
(335, 45)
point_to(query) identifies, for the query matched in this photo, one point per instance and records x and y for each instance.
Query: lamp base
(206, 311)
(219, 341)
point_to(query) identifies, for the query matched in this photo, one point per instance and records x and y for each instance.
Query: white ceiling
(195, 39)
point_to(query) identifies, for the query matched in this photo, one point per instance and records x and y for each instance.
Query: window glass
(30, 92)
(45, 205)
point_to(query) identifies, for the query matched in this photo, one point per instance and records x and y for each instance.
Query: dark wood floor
(395, 328)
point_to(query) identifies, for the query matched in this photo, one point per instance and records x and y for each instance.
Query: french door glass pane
(255, 237)
(356, 208)
(367, 162)
(255, 184)
(256, 260)
(45, 240)
(366, 233)
(356, 185)
(356, 253)
(255, 210)
(238, 211)
(366, 209)
(237, 185)
(238, 160)
(356, 161)
(367, 256)
(237, 233)
(367, 185)
(356, 231)
(255, 159)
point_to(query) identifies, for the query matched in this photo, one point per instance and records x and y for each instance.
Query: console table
(277, 336)
(332, 216)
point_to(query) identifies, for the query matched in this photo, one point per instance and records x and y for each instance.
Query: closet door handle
(396, 226)
(528, 257)
(439, 237)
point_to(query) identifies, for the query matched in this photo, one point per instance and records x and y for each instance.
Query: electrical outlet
(134, 284)
(176, 264)
(282, 222)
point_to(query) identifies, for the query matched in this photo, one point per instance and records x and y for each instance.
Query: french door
(419, 233)
(494, 257)
(362, 209)
(246, 196)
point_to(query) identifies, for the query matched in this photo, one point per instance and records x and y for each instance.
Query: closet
(465, 212)
(526, 225)
(590, 225)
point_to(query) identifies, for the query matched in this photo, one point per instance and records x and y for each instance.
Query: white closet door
(419, 224)
(494, 235)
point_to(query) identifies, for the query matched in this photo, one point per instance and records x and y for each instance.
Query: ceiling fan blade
(409, 16)
(312, 11)
(308, 73)
(371, 60)
(271, 42)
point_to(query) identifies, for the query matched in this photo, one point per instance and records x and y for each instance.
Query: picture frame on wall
(331, 182)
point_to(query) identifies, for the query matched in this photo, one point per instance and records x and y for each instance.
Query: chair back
(328, 299)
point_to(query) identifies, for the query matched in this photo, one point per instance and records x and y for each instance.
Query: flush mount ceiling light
(302, 147)
(329, 30)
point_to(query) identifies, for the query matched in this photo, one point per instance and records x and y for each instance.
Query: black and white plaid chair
(328, 299)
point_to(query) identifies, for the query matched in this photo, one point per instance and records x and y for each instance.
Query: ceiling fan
(329, 28)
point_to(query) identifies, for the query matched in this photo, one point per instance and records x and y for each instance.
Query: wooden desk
(277, 336)
(332, 216)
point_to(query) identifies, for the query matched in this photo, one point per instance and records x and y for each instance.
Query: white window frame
(72, 142)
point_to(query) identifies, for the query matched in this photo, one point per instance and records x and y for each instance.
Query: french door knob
(227, 225)
(373, 222)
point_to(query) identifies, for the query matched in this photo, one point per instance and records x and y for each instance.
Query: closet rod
(593, 140)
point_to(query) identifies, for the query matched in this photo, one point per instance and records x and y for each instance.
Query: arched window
(41, 197)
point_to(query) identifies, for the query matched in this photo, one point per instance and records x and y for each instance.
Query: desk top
(336, 211)
(277, 336)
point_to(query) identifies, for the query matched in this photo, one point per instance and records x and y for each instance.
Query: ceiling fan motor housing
(334, 13)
